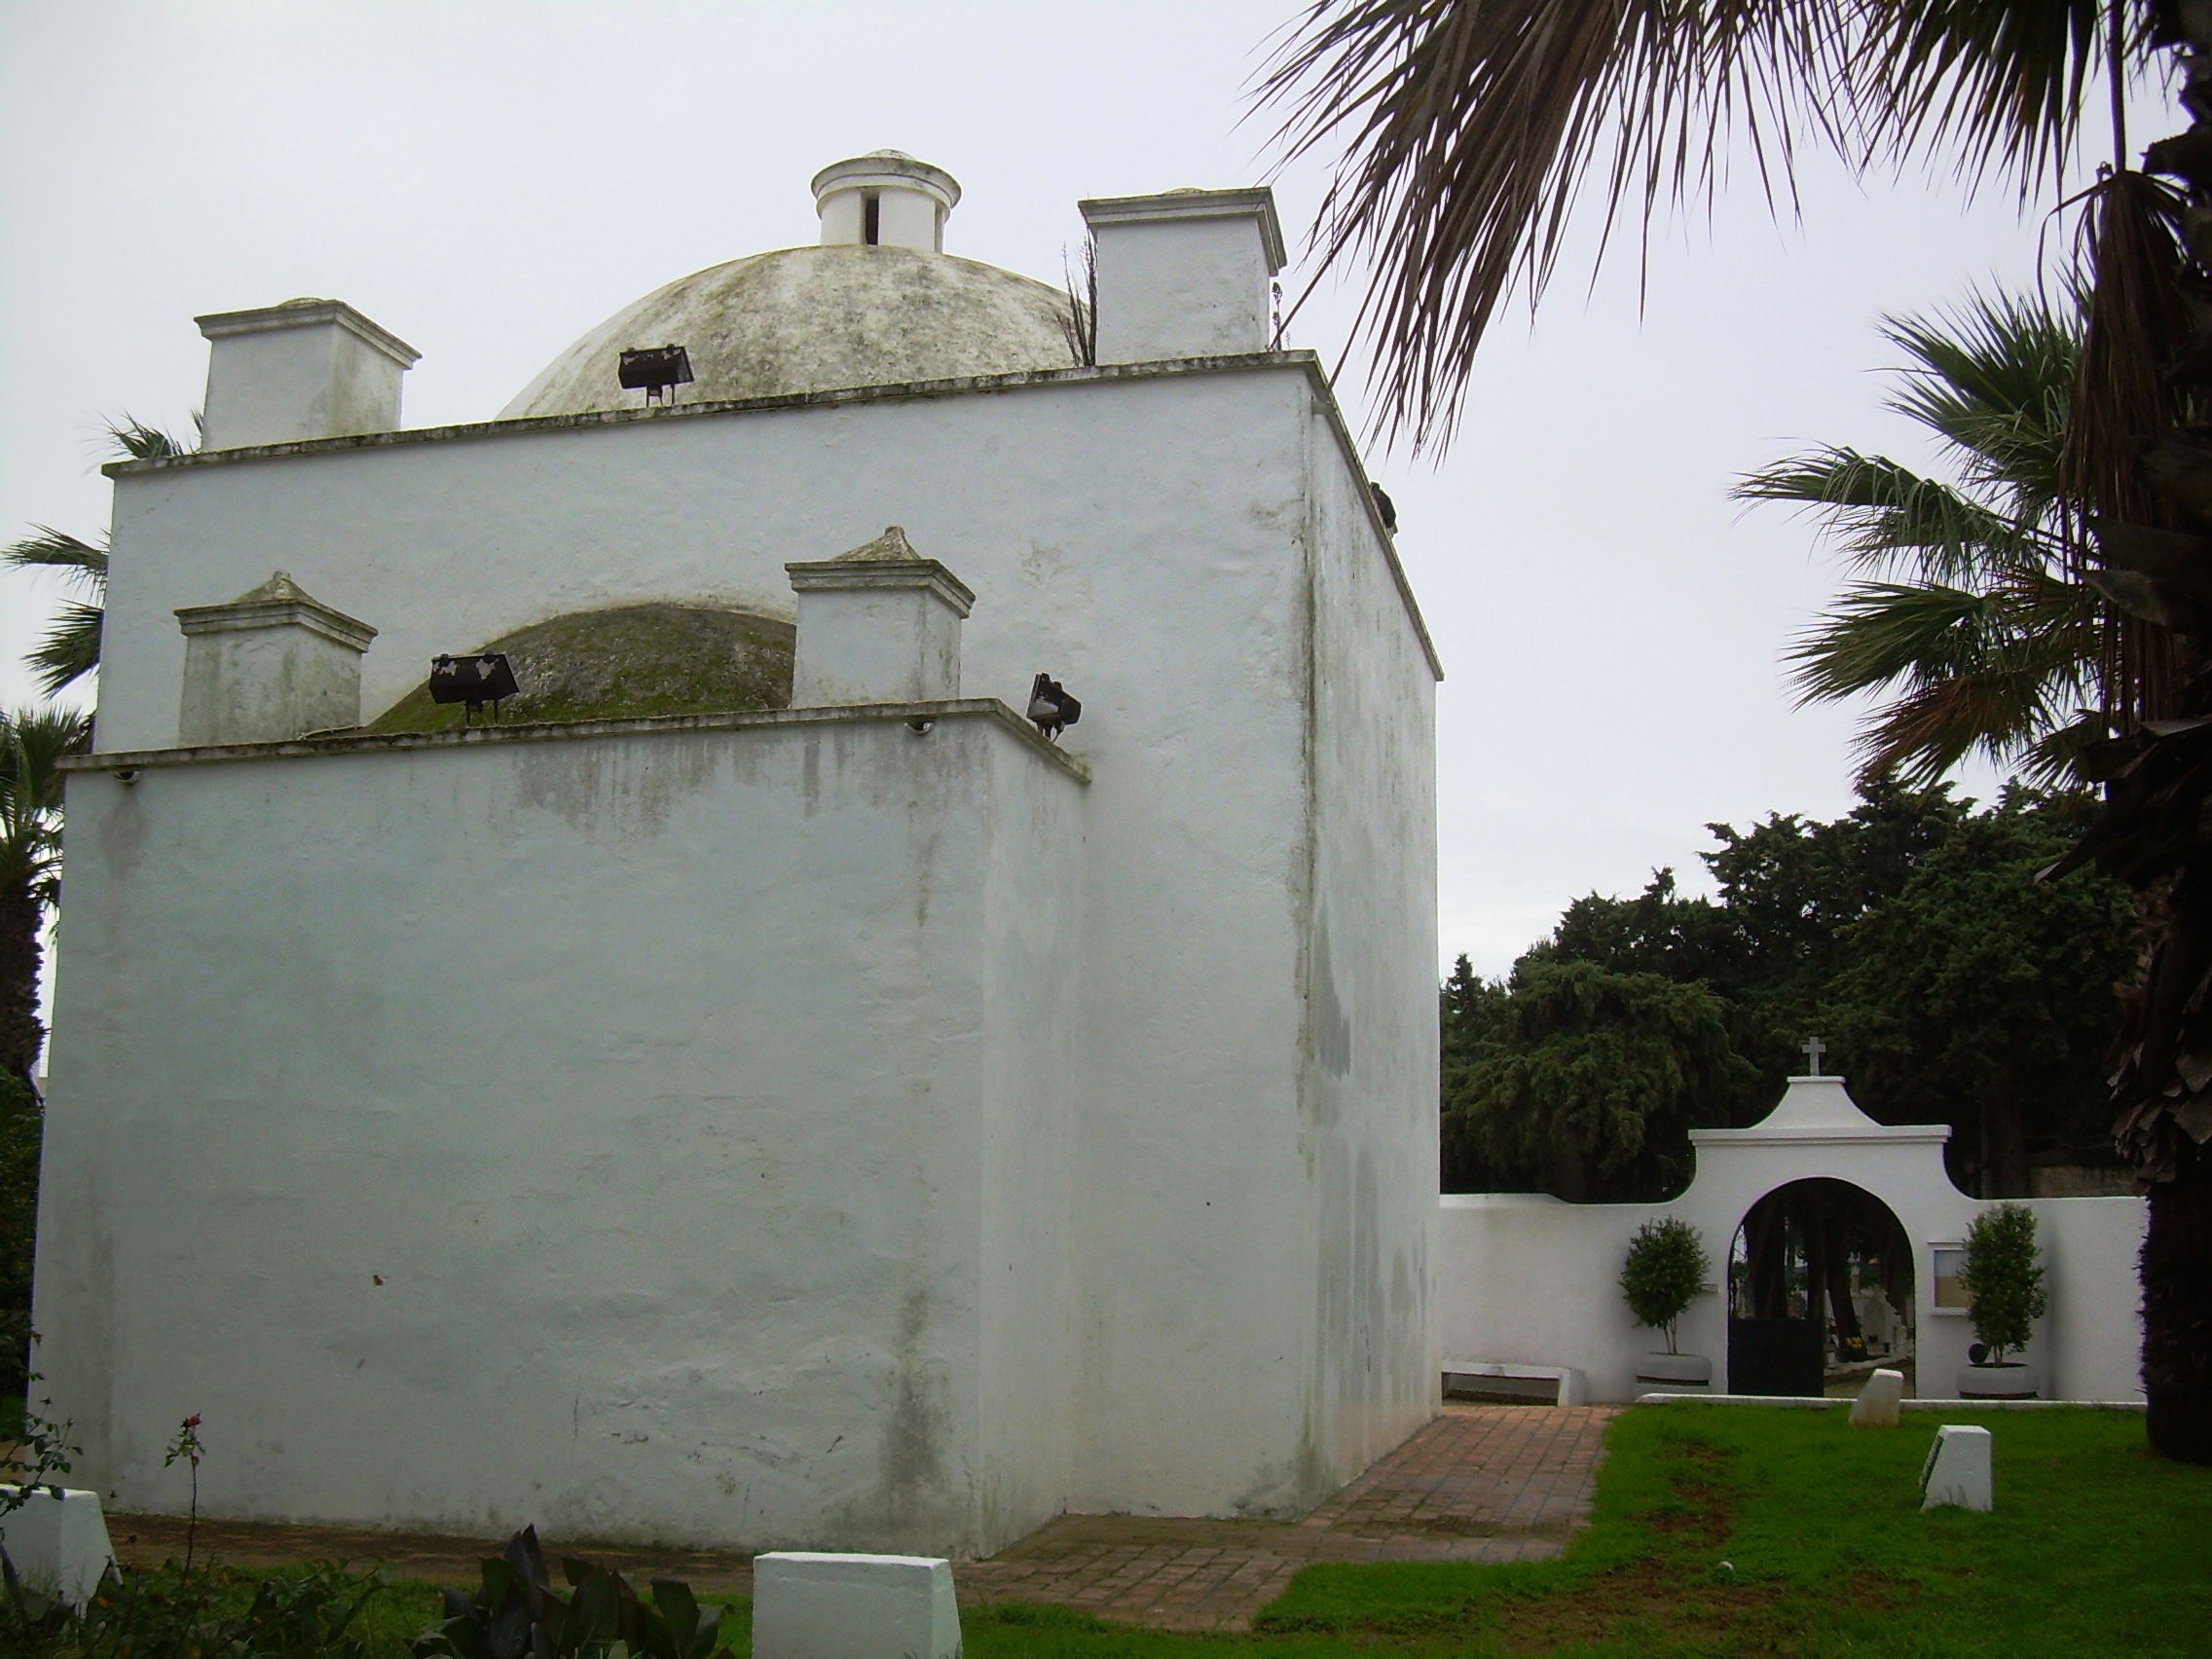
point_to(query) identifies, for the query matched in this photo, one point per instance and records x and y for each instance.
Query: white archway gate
(1529, 1280)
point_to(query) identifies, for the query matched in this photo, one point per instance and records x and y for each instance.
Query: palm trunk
(20, 1033)
(2140, 398)
(2176, 1267)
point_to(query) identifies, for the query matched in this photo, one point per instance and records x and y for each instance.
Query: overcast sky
(490, 178)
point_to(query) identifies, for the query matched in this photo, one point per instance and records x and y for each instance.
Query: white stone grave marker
(58, 1541)
(1958, 1469)
(808, 1605)
(1877, 1404)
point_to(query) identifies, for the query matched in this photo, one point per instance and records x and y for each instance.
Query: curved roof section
(816, 320)
(628, 661)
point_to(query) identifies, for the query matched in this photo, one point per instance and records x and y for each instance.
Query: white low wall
(2090, 1341)
(1524, 1277)
(1527, 1278)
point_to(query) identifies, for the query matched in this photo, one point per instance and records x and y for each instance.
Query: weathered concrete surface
(811, 318)
(607, 1133)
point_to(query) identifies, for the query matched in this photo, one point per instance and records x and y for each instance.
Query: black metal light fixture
(472, 681)
(658, 370)
(1050, 707)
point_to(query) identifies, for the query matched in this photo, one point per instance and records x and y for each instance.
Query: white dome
(816, 320)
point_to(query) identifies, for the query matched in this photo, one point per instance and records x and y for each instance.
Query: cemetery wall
(2089, 1247)
(1525, 1278)
(607, 1132)
(1495, 1246)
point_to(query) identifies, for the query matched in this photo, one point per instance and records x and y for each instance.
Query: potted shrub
(2004, 1282)
(1665, 1269)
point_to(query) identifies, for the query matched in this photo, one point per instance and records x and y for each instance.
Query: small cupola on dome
(884, 198)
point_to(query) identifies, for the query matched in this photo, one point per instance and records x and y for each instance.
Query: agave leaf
(674, 1597)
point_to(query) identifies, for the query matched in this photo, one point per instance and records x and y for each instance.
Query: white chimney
(303, 370)
(269, 666)
(880, 624)
(1186, 274)
(884, 198)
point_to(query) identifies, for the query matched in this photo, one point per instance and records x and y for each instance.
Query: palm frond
(32, 743)
(141, 442)
(2000, 85)
(49, 549)
(1993, 379)
(1932, 730)
(70, 648)
(1468, 130)
(1994, 672)
(1881, 515)
(2059, 758)
(1468, 127)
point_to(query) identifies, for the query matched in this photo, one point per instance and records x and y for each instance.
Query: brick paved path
(1480, 1483)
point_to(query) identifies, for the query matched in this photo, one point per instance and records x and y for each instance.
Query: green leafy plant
(187, 1446)
(2004, 1278)
(167, 1613)
(44, 1454)
(516, 1613)
(1665, 1269)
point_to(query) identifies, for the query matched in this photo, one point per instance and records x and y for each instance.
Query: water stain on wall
(618, 787)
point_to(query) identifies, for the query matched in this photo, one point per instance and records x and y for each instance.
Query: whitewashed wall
(610, 1134)
(1495, 1246)
(1369, 1039)
(1147, 537)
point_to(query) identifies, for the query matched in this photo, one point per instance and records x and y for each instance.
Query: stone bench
(808, 1605)
(1566, 1380)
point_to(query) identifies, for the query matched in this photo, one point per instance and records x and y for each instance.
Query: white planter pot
(1674, 1372)
(2015, 1380)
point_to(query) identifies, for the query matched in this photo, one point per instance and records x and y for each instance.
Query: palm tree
(1467, 128)
(32, 743)
(71, 649)
(1964, 604)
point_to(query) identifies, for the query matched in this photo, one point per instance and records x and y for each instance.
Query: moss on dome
(627, 662)
(815, 320)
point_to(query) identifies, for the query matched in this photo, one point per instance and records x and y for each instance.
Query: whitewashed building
(827, 1115)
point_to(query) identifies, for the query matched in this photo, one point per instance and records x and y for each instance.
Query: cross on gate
(1814, 1049)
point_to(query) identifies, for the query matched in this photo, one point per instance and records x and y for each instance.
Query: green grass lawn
(1723, 1530)
(1727, 1530)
